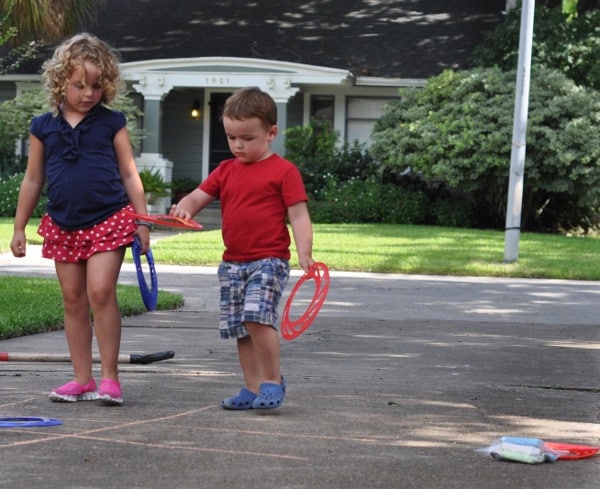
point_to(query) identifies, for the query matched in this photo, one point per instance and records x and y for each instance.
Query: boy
(258, 190)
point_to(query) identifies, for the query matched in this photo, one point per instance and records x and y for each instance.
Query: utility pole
(517, 155)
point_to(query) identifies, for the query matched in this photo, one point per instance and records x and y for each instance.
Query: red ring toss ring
(166, 220)
(291, 329)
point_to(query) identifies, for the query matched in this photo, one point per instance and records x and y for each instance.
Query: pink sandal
(110, 393)
(73, 392)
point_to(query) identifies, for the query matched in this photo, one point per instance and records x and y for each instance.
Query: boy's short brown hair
(251, 102)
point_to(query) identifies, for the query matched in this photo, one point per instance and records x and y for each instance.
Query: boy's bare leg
(248, 363)
(260, 356)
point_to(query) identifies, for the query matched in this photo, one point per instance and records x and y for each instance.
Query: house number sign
(216, 80)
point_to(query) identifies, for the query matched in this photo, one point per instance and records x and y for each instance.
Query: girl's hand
(18, 245)
(143, 234)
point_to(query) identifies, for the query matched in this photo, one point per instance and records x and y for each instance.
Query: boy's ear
(272, 132)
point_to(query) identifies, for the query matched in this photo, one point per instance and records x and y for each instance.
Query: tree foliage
(10, 60)
(44, 20)
(458, 130)
(571, 45)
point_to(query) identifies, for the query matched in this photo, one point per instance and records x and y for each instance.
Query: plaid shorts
(250, 292)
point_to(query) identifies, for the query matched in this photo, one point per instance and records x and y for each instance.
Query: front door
(218, 149)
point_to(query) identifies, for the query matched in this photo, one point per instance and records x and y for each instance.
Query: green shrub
(457, 130)
(401, 206)
(180, 187)
(316, 152)
(9, 195)
(153, 182)
(345, 185)
(10, 164)
(451, 212)
(368, 201)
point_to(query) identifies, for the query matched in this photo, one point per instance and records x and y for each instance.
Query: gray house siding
(181, 134)
(295, 112)
(8, 90)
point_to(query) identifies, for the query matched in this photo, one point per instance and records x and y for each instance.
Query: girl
(82, 149)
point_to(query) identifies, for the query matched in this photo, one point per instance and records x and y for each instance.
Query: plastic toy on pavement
(535, 451)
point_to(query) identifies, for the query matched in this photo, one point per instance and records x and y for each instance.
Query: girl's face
(248, 139)
(83, 90)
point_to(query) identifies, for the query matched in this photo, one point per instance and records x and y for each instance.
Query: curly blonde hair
(72, 54)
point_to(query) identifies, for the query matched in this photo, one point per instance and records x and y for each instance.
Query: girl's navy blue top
(82, 171)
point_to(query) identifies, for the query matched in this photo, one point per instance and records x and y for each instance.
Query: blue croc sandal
(270, 396)
(243, 400)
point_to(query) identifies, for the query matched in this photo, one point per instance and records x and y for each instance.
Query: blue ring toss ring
(28, 422)
(149, 296)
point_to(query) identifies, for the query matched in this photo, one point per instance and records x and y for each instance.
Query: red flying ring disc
(166, 220)
(292, 329)
(566, 451)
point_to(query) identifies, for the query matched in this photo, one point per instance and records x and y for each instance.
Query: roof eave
(21, 78)
(371, 81)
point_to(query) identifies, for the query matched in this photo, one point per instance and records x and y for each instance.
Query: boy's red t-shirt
(254, 201)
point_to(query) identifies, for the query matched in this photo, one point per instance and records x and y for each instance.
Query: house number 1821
(217, 81)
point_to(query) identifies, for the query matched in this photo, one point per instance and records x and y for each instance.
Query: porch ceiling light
(195, 112)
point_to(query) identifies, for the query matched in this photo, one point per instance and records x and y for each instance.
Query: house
(341, 60)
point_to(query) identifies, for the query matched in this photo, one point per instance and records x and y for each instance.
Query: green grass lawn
(31, 305)
(34, 305)
(416, 250)
(6, 231)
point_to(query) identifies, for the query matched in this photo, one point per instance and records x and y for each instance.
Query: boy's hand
(177, 211)
(305, 262)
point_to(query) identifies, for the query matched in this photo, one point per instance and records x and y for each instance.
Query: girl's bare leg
(102, 274)
(78, 328)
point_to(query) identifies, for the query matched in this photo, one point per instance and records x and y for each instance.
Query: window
(321, 108)
(362, 112)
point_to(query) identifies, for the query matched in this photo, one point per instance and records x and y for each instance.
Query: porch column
(152, 142)
(278, 145)
(154, 88)
(280, 88)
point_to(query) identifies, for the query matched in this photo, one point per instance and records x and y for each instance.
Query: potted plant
(154, 184)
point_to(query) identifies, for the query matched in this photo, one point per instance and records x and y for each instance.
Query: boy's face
(248, 139)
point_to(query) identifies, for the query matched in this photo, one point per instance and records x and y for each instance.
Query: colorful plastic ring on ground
(149, 295)
(28, 422)
(291, 329)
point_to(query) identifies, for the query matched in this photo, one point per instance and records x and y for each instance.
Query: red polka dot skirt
(74, 246)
